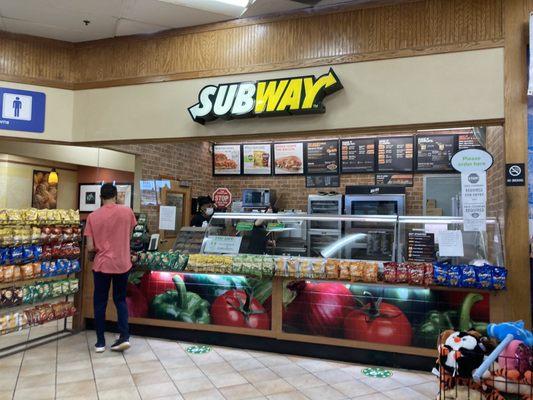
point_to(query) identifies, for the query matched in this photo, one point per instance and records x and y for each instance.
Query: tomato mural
(371, 313)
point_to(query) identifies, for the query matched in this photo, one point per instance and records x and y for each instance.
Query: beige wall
(16, 183)
(450, 87)
(58, 118)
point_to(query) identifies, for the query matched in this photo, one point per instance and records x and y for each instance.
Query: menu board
(322, 157)
(322, 181)
(226, 159)
(467, 141)
(395, 154)
(434, 152)
(257, 159)
(288, 158)
(421, 247)
(358, 155)
(394, 179)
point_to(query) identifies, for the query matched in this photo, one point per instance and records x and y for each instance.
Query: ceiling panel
(99, 7)
(127, 27)
(165, 14)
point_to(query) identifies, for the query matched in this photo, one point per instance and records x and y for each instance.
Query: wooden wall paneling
(515, 304)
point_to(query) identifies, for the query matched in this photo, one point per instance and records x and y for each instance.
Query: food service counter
(270, 302)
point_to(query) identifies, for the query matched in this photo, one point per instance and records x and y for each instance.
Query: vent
(311, 3)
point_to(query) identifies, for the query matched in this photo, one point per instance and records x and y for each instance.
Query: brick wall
(496, 175)
(183, 161)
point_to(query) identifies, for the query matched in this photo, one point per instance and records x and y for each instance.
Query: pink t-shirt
(111, 227)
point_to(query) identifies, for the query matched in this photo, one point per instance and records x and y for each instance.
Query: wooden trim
(37, 81)
(297, 64)
(515, 303)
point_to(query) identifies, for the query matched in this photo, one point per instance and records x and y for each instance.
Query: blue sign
(22, 110)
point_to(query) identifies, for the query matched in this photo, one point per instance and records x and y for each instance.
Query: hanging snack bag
(468, 276)
(292, 267)
(428, 274)
(357, 271)
(402, 273)
(57, 288)
(454, 275)
(389, 272)
(319, 268)
(8, 273)
(484, 277)
(37, 269)
(370, 274)
(26, 271)
(281, 266)
(440, 273)
(75, 266)
(74, 286)
(332, 268)
(499, 278)
(416, 274)
(344, 270)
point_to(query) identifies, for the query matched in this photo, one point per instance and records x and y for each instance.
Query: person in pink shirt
(108, 232)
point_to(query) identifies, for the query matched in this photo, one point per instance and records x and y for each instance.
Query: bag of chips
(468, 276)
(440, 273)
(499, 278)
(389, 272)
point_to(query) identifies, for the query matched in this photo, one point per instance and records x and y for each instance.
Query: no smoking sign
(515, 174)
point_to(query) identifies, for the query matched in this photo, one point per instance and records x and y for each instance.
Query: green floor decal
(198, 349)
(377, 373)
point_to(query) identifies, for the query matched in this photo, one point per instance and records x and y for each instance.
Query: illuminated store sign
(288, 96)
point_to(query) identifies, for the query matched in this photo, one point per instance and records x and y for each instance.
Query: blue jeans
(102, 283)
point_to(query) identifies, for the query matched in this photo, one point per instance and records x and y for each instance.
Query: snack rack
(40, 250)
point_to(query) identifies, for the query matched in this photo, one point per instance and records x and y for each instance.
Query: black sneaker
(99, 347)
(121, 345)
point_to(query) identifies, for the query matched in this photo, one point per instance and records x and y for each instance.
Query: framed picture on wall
(289, 158)
(257, 159)
(89, 197)
(125, 194)
(227, 159)
(44, 195)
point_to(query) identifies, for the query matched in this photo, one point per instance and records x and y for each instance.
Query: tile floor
(159, 369)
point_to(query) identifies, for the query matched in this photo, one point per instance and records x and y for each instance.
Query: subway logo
(289, 96)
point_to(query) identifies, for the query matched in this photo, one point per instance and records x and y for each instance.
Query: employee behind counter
(205, 210)
(258, 239)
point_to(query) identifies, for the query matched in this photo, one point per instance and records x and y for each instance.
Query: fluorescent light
(238, 3)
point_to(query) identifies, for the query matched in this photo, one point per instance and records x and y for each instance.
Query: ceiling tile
(97, 7)
(50, 31)
(262, 7)
(43, 13)
(166, 14)
(128, 27)
(214, 6)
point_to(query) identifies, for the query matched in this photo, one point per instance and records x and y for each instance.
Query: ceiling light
(238, 3)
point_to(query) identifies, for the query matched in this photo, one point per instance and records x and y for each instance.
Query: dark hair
(108, 191)
(203, 200)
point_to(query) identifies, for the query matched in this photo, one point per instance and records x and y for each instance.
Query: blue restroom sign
(22, 110)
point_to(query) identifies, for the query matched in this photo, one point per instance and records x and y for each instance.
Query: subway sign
(271, 97)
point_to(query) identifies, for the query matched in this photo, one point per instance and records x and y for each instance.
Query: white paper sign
(222, 244)
(474, 201)
(435, 229)
(450, 244)
(167, 218)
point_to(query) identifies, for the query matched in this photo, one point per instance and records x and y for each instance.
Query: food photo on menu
(227, 159)
(257, 159)
(288, 158)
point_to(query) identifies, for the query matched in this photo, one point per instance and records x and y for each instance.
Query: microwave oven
(258, 198)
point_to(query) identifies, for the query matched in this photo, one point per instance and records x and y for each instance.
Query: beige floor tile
(287, 396)
(8, 384)
(408, 378)
(182, 373)
(208, 358)
(27, 382)
(12, 361)
(111, 383)
(246, 364)
(84, 396)
(75, 388)
(118, 370)
(332, 376)
(231, 379)
(304, 381)
(175, 362)
(322, 393)
(233, 354)
(276, 360)
(6, 394)
(128, 393)
(147, 366)
(354, 388)
(316, 365)
(382, 384)
(176, 396)
(356, 371)
(210, 394)
(153, 391)
(240, 392)
(429, 389)
(108, 361)
(257, 375)
(75, 376)
(141, 357)
(73, 366)
(148, 378)
(72, 356)
(217, 368)
(194, 384)
(288, 370)
(29, 369)
(274, 386)
(405, 394)
(36, 393)
(373, 396)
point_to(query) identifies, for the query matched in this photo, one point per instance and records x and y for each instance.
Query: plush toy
(500, 331)
(461, 354)
(500, 380)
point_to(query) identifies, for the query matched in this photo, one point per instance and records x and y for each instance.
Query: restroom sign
(22, 110)
(286, 96)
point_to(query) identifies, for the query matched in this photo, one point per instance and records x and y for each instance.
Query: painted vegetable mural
(372, 313)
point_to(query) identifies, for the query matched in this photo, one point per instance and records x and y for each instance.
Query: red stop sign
(222, 198)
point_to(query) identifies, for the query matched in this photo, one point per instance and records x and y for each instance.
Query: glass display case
(258, 233)
(418, 240)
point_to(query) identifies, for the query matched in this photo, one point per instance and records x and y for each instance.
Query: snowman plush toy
(461, 353)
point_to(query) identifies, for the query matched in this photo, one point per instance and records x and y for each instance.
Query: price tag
(222, 244)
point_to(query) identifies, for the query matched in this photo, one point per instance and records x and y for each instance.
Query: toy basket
(491, 381)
